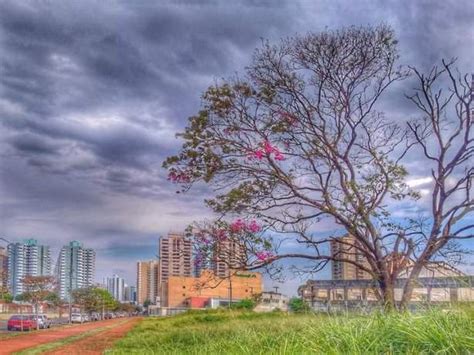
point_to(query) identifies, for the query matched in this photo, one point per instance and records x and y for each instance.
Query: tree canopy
(301, 139)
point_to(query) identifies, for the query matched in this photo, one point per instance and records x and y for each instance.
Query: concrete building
(197, 292)
(438, 282)
(75, 268)
(26, 259)
(269, 301)
(175, 254)
(148, 281)
(3, 270)
(116, 287)
(229, 255)
(348, 248)
(130, 294)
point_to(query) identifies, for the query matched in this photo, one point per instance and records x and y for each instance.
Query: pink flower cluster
(179, 177)
(267, 150)
(241, 226)
(264, 255)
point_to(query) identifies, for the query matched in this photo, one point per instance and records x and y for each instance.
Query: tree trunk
(388, 294)
(410, 285)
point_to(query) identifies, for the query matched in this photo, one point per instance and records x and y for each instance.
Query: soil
(36, 338)
(96, 343)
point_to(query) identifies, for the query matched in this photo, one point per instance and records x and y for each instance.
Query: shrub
(298, 305)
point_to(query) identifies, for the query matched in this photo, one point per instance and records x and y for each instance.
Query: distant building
(26, 259)
(438, 282)
(175, 253)
(116, 287)
(130, 294)
(269, 301)
(197, 292)
(348, 247)
(229, 255)
(3, 269)
(148, 281)
(75, 268)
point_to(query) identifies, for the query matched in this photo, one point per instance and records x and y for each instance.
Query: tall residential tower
(148, 281)
(175, 252)
(26, 259)
(75, 268)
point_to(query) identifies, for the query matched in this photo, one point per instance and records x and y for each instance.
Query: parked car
(44, 321)
(78, 318)
(95, 316)
(21, 322)
(109, 315)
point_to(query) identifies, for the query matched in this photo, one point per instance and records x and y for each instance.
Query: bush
(298, 305)
(247, 304)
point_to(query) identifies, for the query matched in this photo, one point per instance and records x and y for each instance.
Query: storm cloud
(92, 94)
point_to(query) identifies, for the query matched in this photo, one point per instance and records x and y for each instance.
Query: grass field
(232, 332)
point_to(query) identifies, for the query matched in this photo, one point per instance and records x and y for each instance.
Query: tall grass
(231, 332)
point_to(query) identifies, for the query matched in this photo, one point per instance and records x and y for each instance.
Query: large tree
(300, 138)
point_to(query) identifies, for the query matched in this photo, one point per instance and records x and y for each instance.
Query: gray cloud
(91, 95)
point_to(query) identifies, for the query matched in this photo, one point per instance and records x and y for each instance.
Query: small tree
(54, 299)
(37, 289)
(93, 299)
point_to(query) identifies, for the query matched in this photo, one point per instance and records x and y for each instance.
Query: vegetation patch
(433, 331)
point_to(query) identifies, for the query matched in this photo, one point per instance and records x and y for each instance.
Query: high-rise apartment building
(175, 252)
(3, 270)
(130, 294)
(347, 247)
(26, 259)
(75, 268)
(116, 287)
(148, 281)
(229, 255)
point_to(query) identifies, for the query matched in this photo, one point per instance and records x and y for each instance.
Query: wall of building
(178, 289)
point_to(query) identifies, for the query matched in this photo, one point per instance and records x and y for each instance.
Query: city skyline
(91, 99)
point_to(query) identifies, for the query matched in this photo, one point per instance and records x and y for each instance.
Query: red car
(19, 322)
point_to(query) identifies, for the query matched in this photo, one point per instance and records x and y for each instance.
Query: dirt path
(97, 343)
(29, 340)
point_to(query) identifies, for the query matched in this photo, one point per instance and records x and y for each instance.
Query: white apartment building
(26, 259)
(75, 268)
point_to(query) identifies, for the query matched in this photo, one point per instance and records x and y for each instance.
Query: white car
(78, 318)
(43, 321)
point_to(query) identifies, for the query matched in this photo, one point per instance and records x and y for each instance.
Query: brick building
(181, 291)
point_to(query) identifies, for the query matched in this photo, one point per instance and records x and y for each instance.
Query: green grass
(232, 332)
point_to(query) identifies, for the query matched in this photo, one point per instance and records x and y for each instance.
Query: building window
(184, 287)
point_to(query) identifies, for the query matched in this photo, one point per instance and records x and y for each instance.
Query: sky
(92, 94)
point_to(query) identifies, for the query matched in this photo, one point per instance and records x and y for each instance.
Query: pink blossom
(259, 154)
(253, 227)
(263, 255)
(179, 177)
(267, 146)
(279, 156)
(237, 226)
